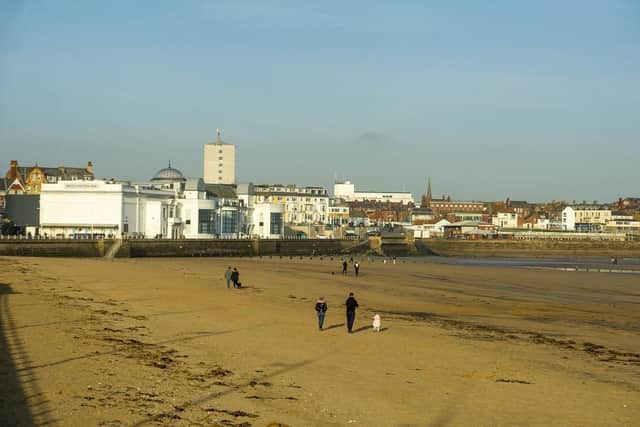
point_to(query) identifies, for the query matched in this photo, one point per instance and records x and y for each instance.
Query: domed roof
(168, 174)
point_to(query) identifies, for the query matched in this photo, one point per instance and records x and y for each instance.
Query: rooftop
(168, 174)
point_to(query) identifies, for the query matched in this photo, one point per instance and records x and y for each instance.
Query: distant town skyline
(530, 101)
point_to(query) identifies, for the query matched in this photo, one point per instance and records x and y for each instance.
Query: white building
(621, 222)
(585, 218)
(505, 220)
(169, 206)
(266, 221)
(219, 162)
(103, 208)
(542, 224)
(347, 191)
(300, 205)
(428, 230)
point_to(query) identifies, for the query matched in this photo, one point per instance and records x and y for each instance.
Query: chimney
(90, 167)
(13, 170)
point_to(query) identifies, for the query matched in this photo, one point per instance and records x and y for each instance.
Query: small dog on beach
(376, 322)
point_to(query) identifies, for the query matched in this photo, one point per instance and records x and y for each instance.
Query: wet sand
(164, 342)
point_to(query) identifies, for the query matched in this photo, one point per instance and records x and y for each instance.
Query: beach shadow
(337, 325)
(119, 349)
(21, 401)
(370, 328)
(232, 389)
(247, 287)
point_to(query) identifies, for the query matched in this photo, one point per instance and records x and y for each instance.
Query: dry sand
(164, 342)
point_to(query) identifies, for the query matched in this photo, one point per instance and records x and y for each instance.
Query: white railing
(532, 235)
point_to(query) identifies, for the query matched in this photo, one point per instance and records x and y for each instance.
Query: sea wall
(527, 248)
(231, 248)
(176, 248)
(54, 248)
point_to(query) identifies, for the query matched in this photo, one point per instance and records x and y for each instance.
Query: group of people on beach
(345, 265)
(351, 304)
(232, 276)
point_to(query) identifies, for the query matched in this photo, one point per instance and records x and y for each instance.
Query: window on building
(276, 223)
(206, 221)
(229, 221)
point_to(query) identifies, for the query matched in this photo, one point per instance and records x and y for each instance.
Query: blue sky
(536, 100)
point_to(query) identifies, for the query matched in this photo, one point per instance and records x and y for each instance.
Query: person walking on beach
(344, 267)
(227, 276)
(235, 278)
(321, 308)
(356, 267)
(351, 304)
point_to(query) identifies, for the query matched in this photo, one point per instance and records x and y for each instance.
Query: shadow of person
(361, 328)
(5, 289)
(337, 325)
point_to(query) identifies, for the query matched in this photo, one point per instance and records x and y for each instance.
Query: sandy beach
(127, 342)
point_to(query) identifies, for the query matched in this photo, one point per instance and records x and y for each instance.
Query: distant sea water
(604, 265)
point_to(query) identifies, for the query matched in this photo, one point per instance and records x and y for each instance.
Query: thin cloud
(373, 138)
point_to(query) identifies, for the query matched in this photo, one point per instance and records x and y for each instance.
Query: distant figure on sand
(321, 308)
(227, 276)
(376, 322)
(356, 267)
(235, 278)
(344, 267)
(351, 304)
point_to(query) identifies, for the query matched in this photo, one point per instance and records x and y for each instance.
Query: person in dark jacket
(356, 267)
(344, 268)
(235, 278)
(351, 304)
(227, 276)
(321, 308)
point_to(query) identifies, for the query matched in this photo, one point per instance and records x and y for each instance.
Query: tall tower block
(219, 162)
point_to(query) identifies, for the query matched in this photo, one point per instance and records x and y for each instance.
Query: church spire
(426, 198)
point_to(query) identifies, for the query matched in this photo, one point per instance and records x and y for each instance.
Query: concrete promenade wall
(56, 248)
(230, 248)
(528, 248)
(175, 248)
